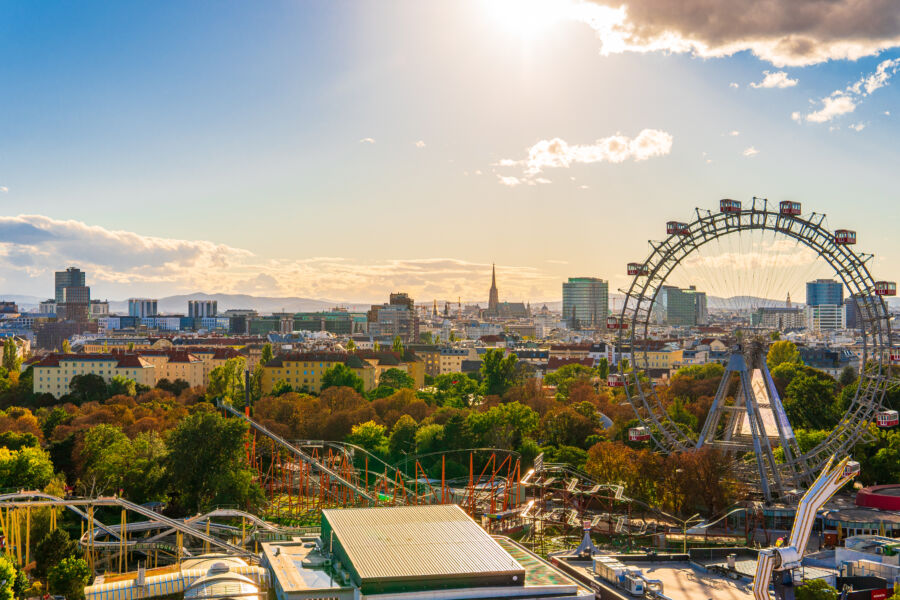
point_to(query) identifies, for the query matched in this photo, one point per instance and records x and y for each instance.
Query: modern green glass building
(585, 302)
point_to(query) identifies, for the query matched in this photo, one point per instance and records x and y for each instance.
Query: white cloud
(509, 181)
(542, 180)
(751, 151)
(3, 189)
(857, 126)
(420, 144)
(776, 79)
(557, 153)
(733, 85)
(734, 133)
(367, 140)
(794, 33)
(887, 113)
(122, 263)
(842, 102)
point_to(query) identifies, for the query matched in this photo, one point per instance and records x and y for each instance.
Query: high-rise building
(71, 277)
(99, 308)
(824, 291)
(825, 317)
(203, 308)
(682, 307)
(782, 319)
(142, 307)
(398, 317)
(493, 294)
(585, 302)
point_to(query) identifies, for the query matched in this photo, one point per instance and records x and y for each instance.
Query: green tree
(847, 376)
(7, 578)
(397, 346)
(121, 385)
(456, 389)
(425, 337)
(371, 436)
(88, 388)
(498, 372)
(816, 589)
(429, 438)
(403, 437)
(206, 465)
(809, 403)
(10, 356)
(267, 354)
(281, 388)
(227, 381)
(781, 352)
(397, 379)
(503, 426)
(51, 550)
(111, 462)
(69, 577)
(351, 346)
(603, 368)
(28, 468)
(342, 375)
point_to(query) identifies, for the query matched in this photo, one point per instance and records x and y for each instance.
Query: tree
(227, 381)
(397, 379)
(425, 337)
(51, 550)
(10, 356)
(267, 354)
(69, 577)
(603, 368)
(122, 386)
(351, 346)
(498, 372)
(206, 463)
(341, 375)
(281, 388)
(28, 468)
(456, 389)
(371, 436)
(816, 589)
(7, 578)
(173, 387)
(847, 376)
(66, 347)
(503, 426)
(88, 388)
(781, 352)
(397, 346)
(809, 403)
(403, 437)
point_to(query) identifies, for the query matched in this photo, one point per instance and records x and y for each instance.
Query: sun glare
(528, 18)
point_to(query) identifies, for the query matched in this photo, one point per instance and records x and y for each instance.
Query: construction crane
(788, 557)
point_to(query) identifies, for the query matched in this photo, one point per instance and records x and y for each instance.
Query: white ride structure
(830, 480)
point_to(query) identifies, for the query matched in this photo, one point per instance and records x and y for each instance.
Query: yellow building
(176, 364)
(304, 370)
(659, 359)
(53, 373)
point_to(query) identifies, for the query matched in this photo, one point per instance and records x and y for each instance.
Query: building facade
(53, 373)
(203, 308)
(71, 277)
(682, 307)
(824, 291)
(585, 302)
(142, 307)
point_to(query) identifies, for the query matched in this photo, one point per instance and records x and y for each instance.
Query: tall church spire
(493, 296)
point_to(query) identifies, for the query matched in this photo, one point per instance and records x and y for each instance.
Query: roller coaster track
(35, 499)
(307, 458)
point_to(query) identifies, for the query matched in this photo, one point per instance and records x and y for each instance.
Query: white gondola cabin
(615, 380)
(851, 469)
(887, 418)
(845, 237)
(729, 206)
(885, 288)
(789, 208)
(638, 434)
(637, 269)
(677, 228)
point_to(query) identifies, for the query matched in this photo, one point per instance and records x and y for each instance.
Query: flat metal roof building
(411, 548)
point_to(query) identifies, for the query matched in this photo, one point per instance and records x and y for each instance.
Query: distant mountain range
(269, 304)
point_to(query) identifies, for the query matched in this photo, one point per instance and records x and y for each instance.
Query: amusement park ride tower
(754, 421)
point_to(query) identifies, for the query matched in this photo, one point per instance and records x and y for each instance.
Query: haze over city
(343, 150)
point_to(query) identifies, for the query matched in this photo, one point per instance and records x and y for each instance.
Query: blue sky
(346, 149)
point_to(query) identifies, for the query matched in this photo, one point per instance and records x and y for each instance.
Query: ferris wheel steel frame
(669, 436)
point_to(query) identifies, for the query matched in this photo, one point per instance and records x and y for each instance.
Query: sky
(343, 150)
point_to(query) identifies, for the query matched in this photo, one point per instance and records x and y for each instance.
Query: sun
(528, 19)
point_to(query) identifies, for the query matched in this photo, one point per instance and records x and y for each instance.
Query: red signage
(880, 594)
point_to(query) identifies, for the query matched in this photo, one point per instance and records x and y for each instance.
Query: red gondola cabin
(845, 237)
(637, 269)
(887, 418)
(729, 206)
(885, 288)
(895, 356)
(851, 469)
(677, 228)
(615, 380)
(638, 434)
(789, 208)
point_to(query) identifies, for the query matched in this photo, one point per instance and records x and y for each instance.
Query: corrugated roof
(418, 542)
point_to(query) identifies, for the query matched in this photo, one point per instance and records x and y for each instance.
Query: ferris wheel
(753, 420)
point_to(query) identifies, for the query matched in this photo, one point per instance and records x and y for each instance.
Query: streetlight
(684, 525)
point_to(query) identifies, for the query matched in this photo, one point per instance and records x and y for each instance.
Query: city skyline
(218, 156)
